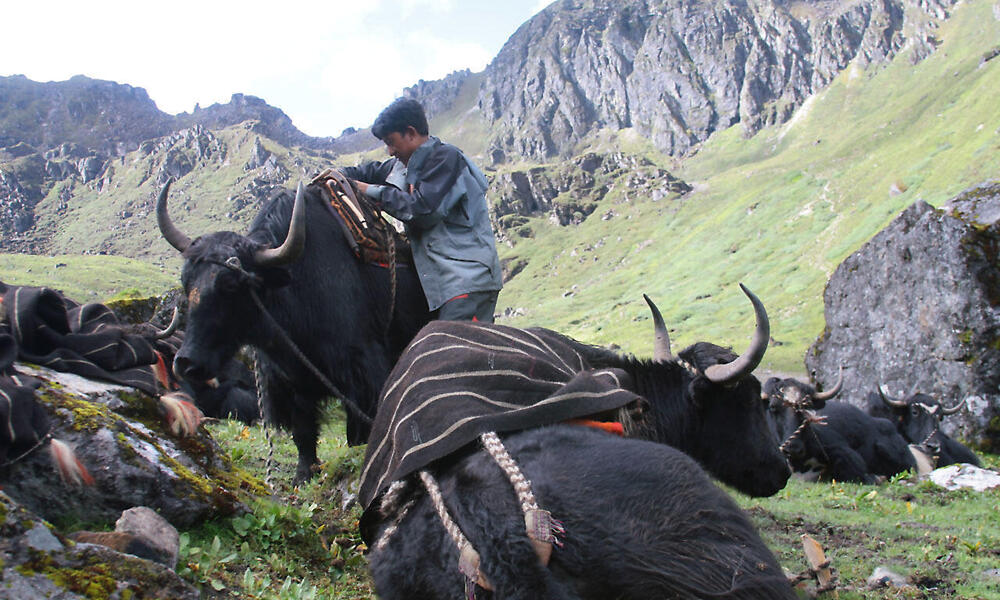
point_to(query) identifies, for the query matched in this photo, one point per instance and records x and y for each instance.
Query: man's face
(402, 145)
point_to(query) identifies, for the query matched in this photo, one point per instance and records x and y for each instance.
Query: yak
(834, 440)
(641, 519)
(293, 289)
(918, 420)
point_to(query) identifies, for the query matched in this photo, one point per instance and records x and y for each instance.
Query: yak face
(918, 419)
(220, 275)
(734, 439)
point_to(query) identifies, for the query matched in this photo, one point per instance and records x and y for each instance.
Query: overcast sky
(327, 65)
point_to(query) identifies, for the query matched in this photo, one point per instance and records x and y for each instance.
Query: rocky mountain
(677, 71)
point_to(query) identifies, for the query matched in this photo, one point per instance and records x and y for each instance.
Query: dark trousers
(474, 306)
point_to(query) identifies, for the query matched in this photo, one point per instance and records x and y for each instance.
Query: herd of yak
(520, 461)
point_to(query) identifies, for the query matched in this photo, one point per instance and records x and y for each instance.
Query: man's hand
(361, 185)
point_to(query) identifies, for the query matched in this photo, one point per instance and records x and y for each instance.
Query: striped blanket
(457, 380)
(86, 339)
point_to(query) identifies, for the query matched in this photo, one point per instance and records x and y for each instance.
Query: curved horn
(954, 409)
(170, 232)
(889, 399)
(827, 395)
(169, 331)
(748, 361)
(294, 242)
(661, 339)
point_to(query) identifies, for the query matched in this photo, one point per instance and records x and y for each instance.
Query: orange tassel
(608, 426)
(68, 465)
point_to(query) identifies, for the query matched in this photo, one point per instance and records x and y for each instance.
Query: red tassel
(70, 469)
(183, 417)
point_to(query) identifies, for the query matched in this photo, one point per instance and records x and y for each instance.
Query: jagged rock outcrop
(570, 192)
(917, 308)
(675, 71)
(439, 95)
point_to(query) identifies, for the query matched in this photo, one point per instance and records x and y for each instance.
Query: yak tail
(183, 417)
(70, 469)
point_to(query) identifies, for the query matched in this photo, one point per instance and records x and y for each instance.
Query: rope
(258, 378)
(517, 479)
(437, 501)
(348, 404)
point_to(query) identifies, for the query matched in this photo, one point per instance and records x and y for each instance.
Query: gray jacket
(440, 196)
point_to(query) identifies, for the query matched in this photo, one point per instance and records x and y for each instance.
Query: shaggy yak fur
(334, 307)
(642, 521)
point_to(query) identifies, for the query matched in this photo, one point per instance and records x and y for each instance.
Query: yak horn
(294, 242)
(954, 409)
(889, 399)
(748, 361)
(827, 395)
(169, 331)
(170, 232)
(661, 339)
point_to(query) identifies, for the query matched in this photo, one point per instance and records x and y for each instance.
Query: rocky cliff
(917, 308)
(677, 71)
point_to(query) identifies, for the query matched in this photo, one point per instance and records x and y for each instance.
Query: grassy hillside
(87, 278)
(777, 212)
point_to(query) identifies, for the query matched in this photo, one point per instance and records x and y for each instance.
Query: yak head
(223, 276)
(791, 402)
(918, 419)
(721, 421)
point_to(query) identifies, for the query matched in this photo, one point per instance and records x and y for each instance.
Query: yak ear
(275, 277)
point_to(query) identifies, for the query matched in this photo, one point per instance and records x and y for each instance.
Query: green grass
(778, 211)
(301, 543)
(87, 278)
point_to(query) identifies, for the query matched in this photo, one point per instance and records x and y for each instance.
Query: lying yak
(630, 518)
(918, 419)
(833, 440)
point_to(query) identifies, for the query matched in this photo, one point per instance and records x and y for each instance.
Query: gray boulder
(917, 308)
(37, 562)
(119, 436)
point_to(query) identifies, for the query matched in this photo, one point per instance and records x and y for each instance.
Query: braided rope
(438, 502)
(493, 445)
(393, 527)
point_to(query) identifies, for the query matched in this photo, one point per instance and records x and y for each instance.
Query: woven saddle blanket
(457, 380)
(371, 237)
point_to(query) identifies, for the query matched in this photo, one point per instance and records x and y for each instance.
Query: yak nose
(185, 369)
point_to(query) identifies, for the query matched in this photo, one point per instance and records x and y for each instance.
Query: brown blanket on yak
(86, 339)
(457, 380)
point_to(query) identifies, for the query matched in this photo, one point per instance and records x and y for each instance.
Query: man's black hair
(402, 113)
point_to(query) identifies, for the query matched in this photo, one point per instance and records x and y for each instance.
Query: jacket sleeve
(433, 194)
(373, 172)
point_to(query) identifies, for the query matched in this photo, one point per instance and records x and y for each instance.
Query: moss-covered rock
(120, 437)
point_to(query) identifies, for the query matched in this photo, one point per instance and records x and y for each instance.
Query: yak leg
(305, 433)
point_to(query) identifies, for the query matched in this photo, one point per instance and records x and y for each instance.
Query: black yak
(918, 419)
(294, 274)
(641, 520)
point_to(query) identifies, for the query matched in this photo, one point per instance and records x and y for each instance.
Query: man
(440, 197)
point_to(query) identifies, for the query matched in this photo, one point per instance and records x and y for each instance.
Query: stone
(883, 577)
(59, 568)
(146, 523)
(120, 437)
(917, 308)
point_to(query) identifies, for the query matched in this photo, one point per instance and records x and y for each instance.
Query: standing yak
(293, 288)
(637, 518)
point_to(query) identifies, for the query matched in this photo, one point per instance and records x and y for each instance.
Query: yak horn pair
(729, 372)
(288, 251)
(895, 402)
